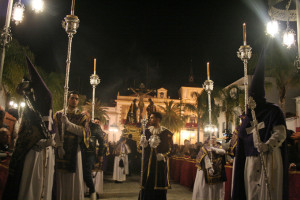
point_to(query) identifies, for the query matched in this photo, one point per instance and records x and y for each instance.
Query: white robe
(253, 173)
(204, 191)
(98, 182)
(70, 185)
(37, 176)
(119, 173)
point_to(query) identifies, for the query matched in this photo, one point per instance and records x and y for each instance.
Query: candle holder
(94, 81)
(208, 85)
(245, 53)
(70, 24)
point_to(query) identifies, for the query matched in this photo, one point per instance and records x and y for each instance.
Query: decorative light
(18, 12)
(289, 38)
(15, 105)
(210, 128)
(22, 104)
(37, 5)
(11, 103)
(272, 28)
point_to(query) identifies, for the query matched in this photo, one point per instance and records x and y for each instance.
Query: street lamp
(15, 12)
(272, 28)
(286, 14)
(289, 38)
(37, 5)
(18, 12)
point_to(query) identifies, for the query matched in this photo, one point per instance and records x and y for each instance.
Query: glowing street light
(37, 5)
(289, 38)
(18, 12)
(272, 28)
(22, 104)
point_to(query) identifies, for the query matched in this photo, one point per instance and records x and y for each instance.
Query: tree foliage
(100, 111)
(171, 116)
(200, 108)
(15, 66)
(280, 65)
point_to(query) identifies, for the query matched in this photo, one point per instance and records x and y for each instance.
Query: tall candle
(244, 33)
(94, 65)
(208, 71)
(72, 7)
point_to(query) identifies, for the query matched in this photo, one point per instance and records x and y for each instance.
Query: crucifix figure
(141, 92)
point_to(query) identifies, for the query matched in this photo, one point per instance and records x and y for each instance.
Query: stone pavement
(129, 190)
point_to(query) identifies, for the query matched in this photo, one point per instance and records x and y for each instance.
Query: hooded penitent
(38, 111)
(265, 112)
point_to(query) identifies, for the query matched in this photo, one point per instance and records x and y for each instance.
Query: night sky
(146, 41)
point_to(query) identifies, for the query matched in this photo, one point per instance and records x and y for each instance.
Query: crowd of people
(54, 154)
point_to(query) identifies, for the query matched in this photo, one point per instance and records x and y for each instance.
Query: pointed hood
(257, 88)
(43, 96)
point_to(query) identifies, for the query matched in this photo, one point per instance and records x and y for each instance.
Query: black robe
(155, 181)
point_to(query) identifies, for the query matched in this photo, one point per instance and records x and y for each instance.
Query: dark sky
(126, 36)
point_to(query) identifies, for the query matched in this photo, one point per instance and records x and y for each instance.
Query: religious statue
(150, 108)
(141, 92)
(131, 115)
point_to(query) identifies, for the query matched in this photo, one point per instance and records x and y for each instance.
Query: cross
(255, 126)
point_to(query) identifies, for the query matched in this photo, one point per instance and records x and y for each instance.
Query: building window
(161, 95)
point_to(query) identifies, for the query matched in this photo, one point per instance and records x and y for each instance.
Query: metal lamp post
(244, 54)
(16, 12)
(94, 81)
(5, 37)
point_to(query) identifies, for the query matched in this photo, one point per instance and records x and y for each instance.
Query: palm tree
(171, 116)
(100, 111)
(279, 65)
(200, 108)
(231, 98)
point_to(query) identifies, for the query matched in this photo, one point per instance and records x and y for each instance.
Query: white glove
(61, 152)
(262, 147)
(160, 157)
(218, 151)
(143, 142)
(213, 149)
(154, 141)
(211, 171)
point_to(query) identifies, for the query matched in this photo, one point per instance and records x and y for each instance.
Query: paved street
(129, 190)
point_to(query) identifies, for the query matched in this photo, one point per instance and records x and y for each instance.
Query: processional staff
(244, 54)
(94, 81)
(209, 86)
(252, 105)
(144, 124)
(70, 24)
